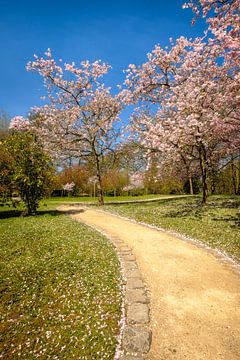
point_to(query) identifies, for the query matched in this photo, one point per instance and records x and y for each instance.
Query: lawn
(60, 281)
(59, 288)
(215, 224)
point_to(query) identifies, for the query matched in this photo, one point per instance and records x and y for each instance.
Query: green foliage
(6, 174)
(114, 181)
(170, 185)
(229, 178)
(30, 169)
(59, 289)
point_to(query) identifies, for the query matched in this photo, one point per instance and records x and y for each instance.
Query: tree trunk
(203, 166)
(238, 177)
(213, 180)
(100, 197)
(187, 166)
(234, 177)
(190, 185)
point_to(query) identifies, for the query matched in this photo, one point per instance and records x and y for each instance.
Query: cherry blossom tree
(81, 119)
(68, 187)
(136, 181)
(186, 107)
(223, 20)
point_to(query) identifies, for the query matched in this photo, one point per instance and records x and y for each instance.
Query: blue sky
(117, 32)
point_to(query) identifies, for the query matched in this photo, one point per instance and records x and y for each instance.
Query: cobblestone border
(136, 339)
(135, 334)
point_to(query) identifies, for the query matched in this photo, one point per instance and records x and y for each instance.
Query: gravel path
(194, 297)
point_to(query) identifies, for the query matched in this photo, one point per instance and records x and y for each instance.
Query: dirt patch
(195, 299)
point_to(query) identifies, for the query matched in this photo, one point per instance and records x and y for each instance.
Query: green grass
(214, 224)
(59, 289)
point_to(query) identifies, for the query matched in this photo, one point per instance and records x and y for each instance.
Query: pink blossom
(19, 123)
(68, 186)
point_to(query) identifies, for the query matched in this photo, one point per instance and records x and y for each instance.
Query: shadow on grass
(72, 212)
(185, 213)
(199, 212)
(7, 214)
(191, 209)
(48, 212)
(233, 220)
(231, 204)
(226, 218)
(219, 202)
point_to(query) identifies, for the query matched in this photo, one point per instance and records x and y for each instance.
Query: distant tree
(136, 183)
(114, 181)
(68, 188)
(77, 174)
(228, 177)
(4, 123)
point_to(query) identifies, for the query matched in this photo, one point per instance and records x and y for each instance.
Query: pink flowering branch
(19, 123)
(82, 117)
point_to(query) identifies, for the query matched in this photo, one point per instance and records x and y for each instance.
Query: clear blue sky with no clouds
(117, 32)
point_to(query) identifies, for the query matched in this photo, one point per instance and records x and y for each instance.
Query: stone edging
(135, 335)
(136, 338)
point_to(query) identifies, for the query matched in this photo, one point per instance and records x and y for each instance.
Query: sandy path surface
(195, 299)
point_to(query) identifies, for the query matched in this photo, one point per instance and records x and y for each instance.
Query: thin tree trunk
(190, 185)
(187, 166)
(100, 198)
(238, 189)
(234, 177)
(213, 181)
(203, 166)
(238, 177)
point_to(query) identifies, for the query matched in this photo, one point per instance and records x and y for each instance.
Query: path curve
(195, 298)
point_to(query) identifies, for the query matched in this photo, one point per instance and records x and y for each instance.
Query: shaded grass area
(216, 224)
(59, 289)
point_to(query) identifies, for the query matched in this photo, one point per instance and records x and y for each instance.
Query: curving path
(195, 298)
